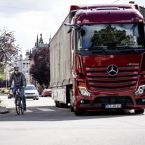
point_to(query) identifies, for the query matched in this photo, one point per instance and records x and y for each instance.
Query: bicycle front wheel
(22, 109)
(19, 106)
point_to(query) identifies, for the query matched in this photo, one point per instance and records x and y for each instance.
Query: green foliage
(1, 76)
(110, 36)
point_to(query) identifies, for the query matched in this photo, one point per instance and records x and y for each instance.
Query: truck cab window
(109, 36)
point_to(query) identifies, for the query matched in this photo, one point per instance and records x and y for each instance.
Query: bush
(1, 77)
(4, 90)
(3, 83)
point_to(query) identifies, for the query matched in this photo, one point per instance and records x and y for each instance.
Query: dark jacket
(19, 79)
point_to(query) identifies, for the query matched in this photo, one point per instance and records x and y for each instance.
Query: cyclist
(19, 83)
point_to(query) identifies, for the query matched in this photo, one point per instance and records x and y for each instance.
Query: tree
(1, 77)
(110, 36)
(8, 49)
(40, 70)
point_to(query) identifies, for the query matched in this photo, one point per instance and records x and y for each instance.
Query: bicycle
(19, 103)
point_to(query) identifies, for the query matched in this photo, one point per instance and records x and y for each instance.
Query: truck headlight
(140, 90)
(84, 91)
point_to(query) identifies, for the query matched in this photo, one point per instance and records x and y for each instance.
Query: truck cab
(108, 50)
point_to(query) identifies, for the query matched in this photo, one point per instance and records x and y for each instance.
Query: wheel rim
(22, 110)
(19, 107)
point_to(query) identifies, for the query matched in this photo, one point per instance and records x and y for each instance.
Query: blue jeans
(15, 88)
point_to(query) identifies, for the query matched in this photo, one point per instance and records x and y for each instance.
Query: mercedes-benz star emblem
(112, 70)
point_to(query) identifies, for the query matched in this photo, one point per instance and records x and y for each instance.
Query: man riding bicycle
(19, 83)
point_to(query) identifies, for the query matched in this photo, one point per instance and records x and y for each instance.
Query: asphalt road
(44, 124)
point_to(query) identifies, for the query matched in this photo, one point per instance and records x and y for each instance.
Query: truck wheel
(57, 103)
(79, 112)
(71, 108)
(63, 105)
(139, 111)
(60, 105)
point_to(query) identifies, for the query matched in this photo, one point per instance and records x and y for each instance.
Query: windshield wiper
(99, 49)
(129, 49)
(114, 50)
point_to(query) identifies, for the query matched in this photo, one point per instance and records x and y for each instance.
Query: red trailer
(97, 59)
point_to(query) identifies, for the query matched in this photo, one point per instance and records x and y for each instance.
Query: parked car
(31, 92)
(46, 93)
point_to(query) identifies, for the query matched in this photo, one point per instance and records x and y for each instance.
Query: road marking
(45, 109)
(29, 110)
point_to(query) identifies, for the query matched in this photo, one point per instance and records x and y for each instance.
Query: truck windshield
(105, 37)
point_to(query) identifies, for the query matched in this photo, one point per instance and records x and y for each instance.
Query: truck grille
(98, 78)
(113, 100)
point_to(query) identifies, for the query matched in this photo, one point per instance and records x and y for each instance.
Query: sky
(27, 18)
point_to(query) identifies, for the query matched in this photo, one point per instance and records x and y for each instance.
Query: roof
(107, 14)
(125, 6)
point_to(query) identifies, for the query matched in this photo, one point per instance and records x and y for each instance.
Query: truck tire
(60, 105)
(79, 112)
(139, 111)
(57, 103)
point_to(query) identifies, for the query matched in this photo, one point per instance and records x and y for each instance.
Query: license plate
(110, 106)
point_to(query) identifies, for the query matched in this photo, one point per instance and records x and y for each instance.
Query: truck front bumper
(110, 102)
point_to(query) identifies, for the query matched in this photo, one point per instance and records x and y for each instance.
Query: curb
(3, 110)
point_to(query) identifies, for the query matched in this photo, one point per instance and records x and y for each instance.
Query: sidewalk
(3, 109)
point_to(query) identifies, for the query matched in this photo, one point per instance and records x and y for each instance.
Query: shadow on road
(51, 113)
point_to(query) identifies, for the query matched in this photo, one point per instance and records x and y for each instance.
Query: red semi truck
(97, 59)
